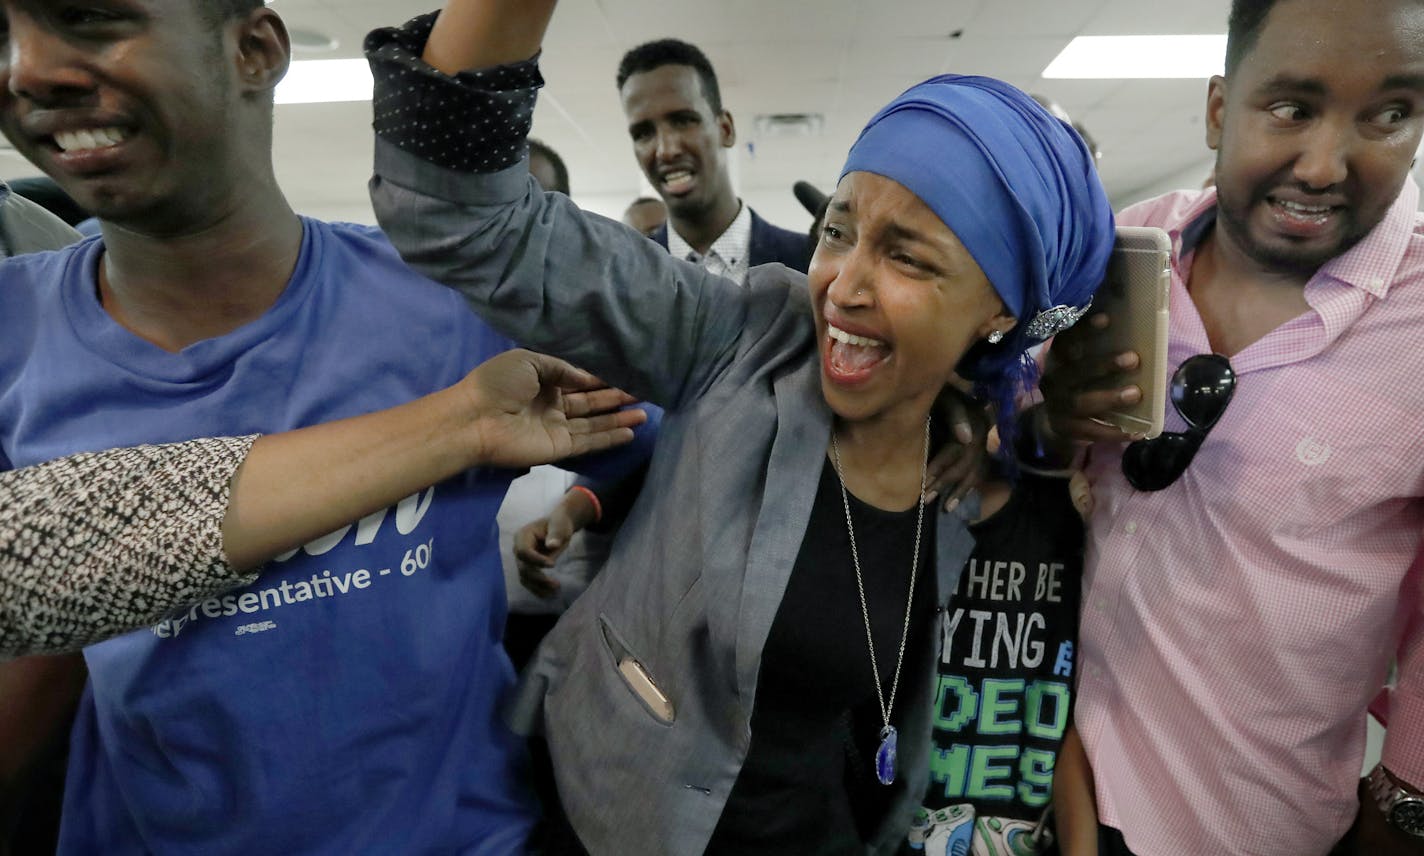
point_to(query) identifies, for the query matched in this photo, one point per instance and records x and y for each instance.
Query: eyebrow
(1313, 86)
(1404, 81)
(1287, 83)
(893, 231)
(904, 233)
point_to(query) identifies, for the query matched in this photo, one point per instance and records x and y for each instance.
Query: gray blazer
(695, 577)
(25, 227)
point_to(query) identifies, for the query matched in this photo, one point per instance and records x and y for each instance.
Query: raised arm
(473, 34)
(99, 544)
(453, 192)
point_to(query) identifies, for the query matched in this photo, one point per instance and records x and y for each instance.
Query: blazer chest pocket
(635, 675)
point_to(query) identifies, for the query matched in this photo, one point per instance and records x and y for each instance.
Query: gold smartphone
(643, 687)
(635, 676)
(1135, 296)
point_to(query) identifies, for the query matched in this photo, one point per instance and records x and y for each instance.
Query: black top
(808, 784)
(1006, 668)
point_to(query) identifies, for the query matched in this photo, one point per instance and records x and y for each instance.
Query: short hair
(645, 200)
(222, 11)
(1243, 28)
(561, 173)
(654, 55)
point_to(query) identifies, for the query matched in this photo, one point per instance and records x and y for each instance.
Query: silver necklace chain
(885, 707)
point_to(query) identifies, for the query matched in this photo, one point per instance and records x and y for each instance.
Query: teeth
(851, 339)
(1308, 210)
(677, 175)
(88, 139)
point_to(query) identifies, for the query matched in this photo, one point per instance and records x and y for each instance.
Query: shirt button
(1100, 605)
(1130, 527)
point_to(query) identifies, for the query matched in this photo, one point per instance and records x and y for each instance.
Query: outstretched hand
(532, 409)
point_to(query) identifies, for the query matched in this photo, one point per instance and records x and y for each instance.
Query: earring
(995, 337)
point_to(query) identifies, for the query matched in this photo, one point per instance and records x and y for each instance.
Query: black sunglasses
(1201, 389)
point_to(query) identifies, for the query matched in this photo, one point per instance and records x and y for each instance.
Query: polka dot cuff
(475, 121)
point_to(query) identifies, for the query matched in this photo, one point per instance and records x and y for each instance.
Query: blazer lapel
(793, 471)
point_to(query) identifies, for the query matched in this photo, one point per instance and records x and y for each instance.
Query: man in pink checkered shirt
(1241, 612)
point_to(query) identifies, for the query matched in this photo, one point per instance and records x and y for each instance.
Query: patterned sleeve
(431, 114)
(98, 544)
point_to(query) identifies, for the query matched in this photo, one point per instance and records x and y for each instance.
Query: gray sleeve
(98, 544)
(29, 228)
(560, 280)
(452, 191)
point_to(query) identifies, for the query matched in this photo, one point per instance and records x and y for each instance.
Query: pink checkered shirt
(1237, 624)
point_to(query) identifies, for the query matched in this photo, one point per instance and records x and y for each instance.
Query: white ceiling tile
(1132, 17)
(1034, 18)
(841, 58)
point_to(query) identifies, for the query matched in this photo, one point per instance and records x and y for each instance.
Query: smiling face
(680, 143)
(135, 107)
(1316, 128)
(897, 300)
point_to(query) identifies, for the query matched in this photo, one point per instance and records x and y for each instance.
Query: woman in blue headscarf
(752, 672)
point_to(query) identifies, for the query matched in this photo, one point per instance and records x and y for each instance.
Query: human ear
(1215, 109)
(264, 50)
(727, 129)
(1000, 323)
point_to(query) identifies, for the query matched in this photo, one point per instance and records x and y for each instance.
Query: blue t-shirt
(347, 702)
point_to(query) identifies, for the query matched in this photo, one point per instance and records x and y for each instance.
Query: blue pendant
(885, 755)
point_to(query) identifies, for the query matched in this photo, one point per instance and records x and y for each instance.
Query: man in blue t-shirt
(346, 702)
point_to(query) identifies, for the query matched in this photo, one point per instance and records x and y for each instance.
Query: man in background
(548, 168)
(646, 214)
(681, 135)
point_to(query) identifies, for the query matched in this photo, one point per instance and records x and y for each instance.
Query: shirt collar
(732, 246)
(1371, 265)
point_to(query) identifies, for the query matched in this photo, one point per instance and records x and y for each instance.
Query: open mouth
(851, 358)
(1302, 218)
(678, 181)
(88, 139)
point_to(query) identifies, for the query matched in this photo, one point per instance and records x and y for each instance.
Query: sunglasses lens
(1154, 464)
(1201, 389)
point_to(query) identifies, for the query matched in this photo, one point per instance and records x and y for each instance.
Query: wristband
(593, 498)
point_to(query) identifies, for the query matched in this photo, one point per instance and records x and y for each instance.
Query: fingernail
(1131, 395)
(964, 432)
(951, 504)
(929, 496)
(1126, 361)
(554, 543)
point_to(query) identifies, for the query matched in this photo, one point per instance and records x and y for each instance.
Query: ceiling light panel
(1139, 57)
(321, 81)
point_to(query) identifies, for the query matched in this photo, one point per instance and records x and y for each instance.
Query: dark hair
(654, 55)
(645, 200)
(221, 11)
(1243, 28)
(561, 172)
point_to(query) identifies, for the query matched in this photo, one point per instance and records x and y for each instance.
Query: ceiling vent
(303, 39)
(789, 125)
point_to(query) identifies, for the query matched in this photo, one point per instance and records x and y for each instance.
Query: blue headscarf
(1020, 190)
